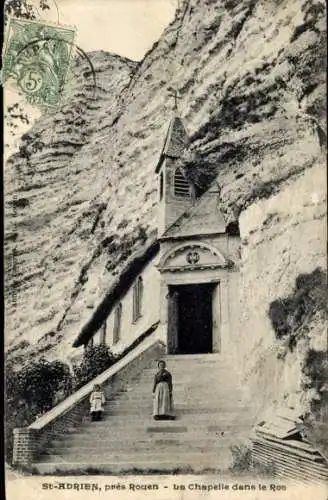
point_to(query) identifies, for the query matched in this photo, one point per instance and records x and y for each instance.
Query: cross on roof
(174, 93)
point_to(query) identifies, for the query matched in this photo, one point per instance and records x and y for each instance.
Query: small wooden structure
(281, 446)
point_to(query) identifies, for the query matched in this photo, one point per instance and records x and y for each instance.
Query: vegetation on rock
(291, 316)
(315, 383)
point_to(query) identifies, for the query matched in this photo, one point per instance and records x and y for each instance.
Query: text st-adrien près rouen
(192, 486)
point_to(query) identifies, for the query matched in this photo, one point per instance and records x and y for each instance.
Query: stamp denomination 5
(36, 59)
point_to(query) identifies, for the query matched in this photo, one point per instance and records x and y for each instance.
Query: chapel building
(184, 286)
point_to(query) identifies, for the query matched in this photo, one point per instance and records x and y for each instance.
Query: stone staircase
(210, 417)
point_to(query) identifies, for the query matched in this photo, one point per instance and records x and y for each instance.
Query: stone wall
(130, 330)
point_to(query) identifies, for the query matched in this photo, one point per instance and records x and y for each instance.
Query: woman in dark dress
(162, 390)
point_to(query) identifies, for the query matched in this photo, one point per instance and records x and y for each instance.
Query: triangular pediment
(204, 218)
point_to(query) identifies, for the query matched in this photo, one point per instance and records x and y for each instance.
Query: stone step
(194, 382)
(182, 401)
(168, 465)
(198, 385)
(75, 451)
(194, 377)
(193, 361)
(192, 368)
(145, 418)
(188, 362)
(184, 431)
(185, 391)
(186, 416)
(203, 441)
(183, 404)
(163, 441)
(86, 440)
(213, 426)
(187, 374)
(183, 410)
(187, 395)
(150, 431)
(118, 422)
(197, 363)
(152, 456)
(202, 397)
(205, 358)
(119, 425)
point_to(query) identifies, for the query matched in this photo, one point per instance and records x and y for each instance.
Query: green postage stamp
(36, 57)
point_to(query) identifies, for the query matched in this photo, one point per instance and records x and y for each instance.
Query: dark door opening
(193, 319)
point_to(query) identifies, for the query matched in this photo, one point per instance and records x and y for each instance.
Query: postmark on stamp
(36, 59)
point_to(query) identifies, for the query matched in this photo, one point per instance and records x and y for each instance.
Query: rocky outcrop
(83, 192)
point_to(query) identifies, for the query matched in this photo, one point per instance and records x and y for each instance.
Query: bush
(31, 391)
(315, 369)
(95, 360)
(290, 315)
(315, 377)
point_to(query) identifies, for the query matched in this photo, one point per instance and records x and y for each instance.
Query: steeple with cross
(175, 191)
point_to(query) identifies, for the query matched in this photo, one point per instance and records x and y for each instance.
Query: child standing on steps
(97, 400)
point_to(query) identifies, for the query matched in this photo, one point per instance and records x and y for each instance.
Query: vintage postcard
(165, 249)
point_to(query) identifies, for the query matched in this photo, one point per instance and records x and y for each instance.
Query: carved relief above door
(192, 256)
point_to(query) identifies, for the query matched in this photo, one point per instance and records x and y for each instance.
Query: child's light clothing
(97, 400)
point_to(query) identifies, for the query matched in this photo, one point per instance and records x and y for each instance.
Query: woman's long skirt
(163, 404)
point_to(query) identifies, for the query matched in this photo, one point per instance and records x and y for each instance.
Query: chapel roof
(117, 290)
(204, 218)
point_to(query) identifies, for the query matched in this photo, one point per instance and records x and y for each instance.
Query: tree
(24, 8)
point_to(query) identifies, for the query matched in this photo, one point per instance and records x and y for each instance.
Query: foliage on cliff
(291, 316)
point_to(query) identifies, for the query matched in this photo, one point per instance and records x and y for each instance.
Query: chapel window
(137, 299)
(181, 184)
(103, 333)
(117, 323)
(161, 185)
(90, 343)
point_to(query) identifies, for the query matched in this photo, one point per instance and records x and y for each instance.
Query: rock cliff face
(81, 192)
